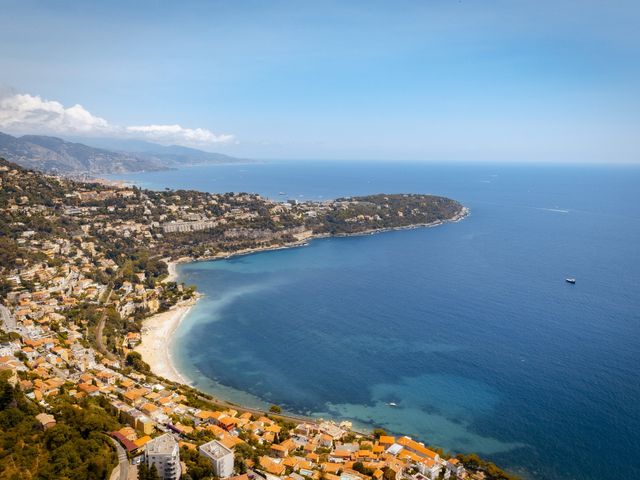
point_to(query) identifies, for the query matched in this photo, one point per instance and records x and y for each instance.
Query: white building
(221, 458)
(163, 453)
(188, 226)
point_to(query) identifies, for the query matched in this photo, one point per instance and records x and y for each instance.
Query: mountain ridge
(56, 155)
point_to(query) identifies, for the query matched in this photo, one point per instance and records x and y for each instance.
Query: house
(221, 458)
(105, 377)
(326, 441)
(279, 451)
(417, 448)
(429, 468)
(142, 441)
(129, 445)
(231, 441)
(148, 408)
(46, 421)
(143, 423)
(454, 466)
(30, 353)
(271, 466)
(386, 441)
(89, 389)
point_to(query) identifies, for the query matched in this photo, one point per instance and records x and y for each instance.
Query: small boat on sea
(572, 281)
(392, 404)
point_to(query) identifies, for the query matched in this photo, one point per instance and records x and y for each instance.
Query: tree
(147, 473)
(275, 409)
(6, 391)
(378, 432)
(9, 252)
(199, 467)
(389, 474)
(134, 360)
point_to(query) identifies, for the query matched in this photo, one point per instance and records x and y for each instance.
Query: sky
(455, 80)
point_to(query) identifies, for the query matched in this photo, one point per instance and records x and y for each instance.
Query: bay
(469, 327)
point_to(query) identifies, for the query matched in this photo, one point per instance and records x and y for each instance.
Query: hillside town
(83, 264)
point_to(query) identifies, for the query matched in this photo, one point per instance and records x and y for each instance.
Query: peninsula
(84, 264)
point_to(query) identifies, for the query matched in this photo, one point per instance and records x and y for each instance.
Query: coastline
(157, 330)
(171, 264)
(172, 267)
(157, 335)
(464, 212)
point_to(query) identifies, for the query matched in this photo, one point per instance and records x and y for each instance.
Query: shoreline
(157, 330)
(157, 336)
(172, 267)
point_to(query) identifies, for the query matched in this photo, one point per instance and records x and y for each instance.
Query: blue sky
(555, 81)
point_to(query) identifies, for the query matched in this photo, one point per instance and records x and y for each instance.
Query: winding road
(123, 463)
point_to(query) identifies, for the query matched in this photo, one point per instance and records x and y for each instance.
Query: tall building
(221, 458)
(163, 453)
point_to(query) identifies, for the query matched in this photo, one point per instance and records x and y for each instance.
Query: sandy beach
(173, 271)
(157, 333)
(172, 267)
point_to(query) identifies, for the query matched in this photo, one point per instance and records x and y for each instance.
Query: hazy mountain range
(55, 155)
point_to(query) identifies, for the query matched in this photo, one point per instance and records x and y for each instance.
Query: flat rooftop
(215, 449)
(162, 444)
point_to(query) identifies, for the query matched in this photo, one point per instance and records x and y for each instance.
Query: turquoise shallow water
(469, 327)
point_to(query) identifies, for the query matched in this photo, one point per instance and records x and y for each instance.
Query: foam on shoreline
(157, 335)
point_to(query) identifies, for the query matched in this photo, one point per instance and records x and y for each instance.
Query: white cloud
(175, 133)
(24, 113)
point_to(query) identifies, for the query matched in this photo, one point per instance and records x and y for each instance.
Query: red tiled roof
(126, 443)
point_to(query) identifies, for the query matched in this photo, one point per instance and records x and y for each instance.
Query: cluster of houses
(316, 451)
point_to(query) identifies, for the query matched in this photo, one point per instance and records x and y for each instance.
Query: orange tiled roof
(270, 466)
(416, 447)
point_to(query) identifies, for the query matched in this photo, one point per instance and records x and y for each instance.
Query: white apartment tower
(221, 458)
(163, 453)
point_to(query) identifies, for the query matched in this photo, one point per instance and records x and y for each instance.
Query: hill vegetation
(73, 449)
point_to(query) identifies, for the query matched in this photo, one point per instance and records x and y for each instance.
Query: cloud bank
(24, 113)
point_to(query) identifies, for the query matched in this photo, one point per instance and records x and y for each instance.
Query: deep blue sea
(469, 327)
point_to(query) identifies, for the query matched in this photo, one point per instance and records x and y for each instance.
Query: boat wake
(557, 210)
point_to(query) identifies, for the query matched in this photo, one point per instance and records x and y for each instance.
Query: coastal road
(121, 472)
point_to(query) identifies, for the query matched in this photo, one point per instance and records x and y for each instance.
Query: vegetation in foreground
(75, 448)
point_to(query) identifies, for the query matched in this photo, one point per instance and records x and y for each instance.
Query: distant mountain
(55, 155)
(172, 153)
(51, 154)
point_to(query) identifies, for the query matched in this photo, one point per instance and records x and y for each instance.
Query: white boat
(570, 280)
(392, 404)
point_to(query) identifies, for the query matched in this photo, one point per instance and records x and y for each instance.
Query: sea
(469, 328)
